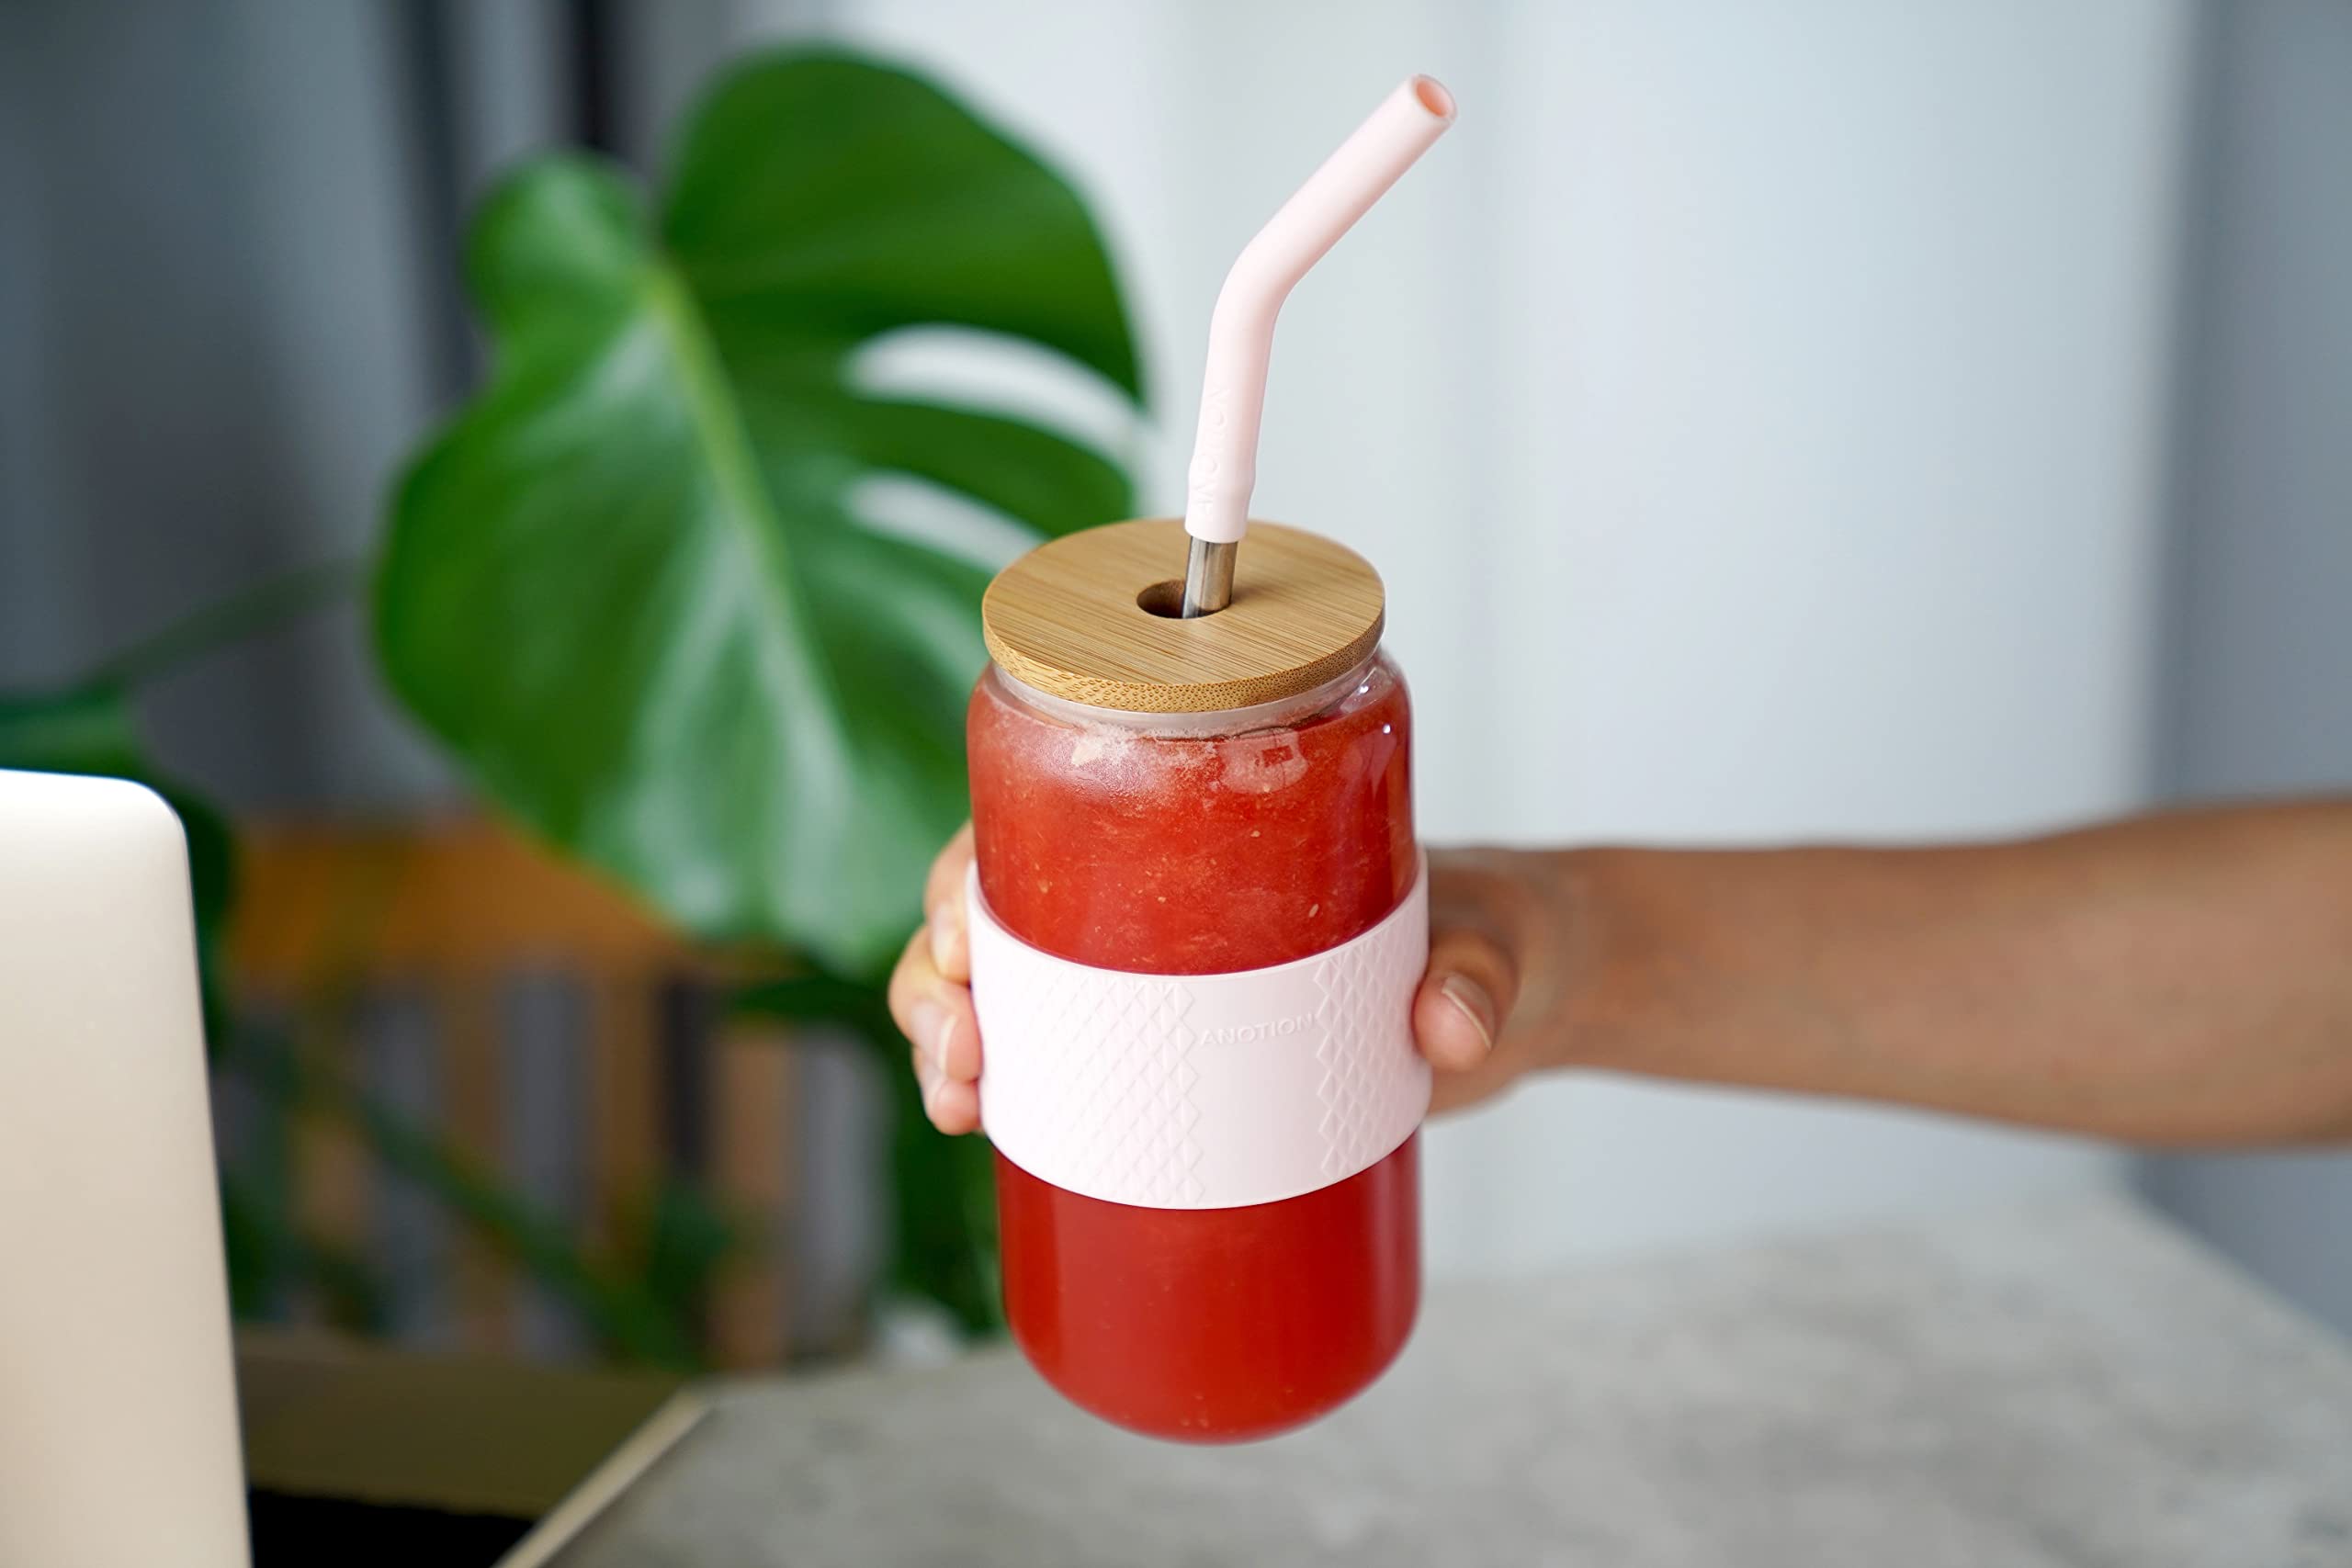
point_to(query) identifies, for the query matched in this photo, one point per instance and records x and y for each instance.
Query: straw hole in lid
(1164, 599)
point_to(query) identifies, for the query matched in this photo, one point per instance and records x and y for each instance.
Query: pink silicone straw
(1241, 330)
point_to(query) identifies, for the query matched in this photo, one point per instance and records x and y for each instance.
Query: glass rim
(1205, 725)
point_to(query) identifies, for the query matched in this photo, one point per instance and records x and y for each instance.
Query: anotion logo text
(1252, 1033)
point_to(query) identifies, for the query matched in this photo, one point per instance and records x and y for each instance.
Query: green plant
(628, 586)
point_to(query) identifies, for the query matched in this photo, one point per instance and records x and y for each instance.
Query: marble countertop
(2070, 1384)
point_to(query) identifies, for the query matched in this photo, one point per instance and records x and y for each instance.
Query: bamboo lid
(1075, 618)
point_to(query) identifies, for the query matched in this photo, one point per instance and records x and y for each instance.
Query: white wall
(1755, 413)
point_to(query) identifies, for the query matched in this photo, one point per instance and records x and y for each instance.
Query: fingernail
(944, 924)
(929, 1025)
(1471, 1001)
(946, 1038)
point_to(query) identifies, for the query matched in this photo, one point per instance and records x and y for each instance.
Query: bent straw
(1241, 330)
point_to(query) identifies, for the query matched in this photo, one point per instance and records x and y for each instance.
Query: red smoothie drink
(1198, 843)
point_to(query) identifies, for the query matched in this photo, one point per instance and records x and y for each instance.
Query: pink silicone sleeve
(1201, 1091)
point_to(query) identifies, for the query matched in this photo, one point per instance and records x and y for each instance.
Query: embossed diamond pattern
(1113, 1068)
(1205, 1091)
(1366, 1098)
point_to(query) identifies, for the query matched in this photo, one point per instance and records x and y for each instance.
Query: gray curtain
(229, 302)
(2258, 623)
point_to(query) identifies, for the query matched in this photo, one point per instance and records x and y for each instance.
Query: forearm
(2178, 979)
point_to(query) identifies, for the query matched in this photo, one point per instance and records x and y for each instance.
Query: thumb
(1466, 993)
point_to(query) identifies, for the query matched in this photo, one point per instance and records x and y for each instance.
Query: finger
(1465, 995)
(943, 902)
(912, 981)
(952, 1107)
(935, 1014)
(947, 879)
(1484, 1082)
(957, 1047)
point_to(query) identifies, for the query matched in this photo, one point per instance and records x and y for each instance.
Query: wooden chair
(566, 1045)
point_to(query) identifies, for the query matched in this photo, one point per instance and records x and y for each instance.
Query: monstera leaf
(628, 586)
